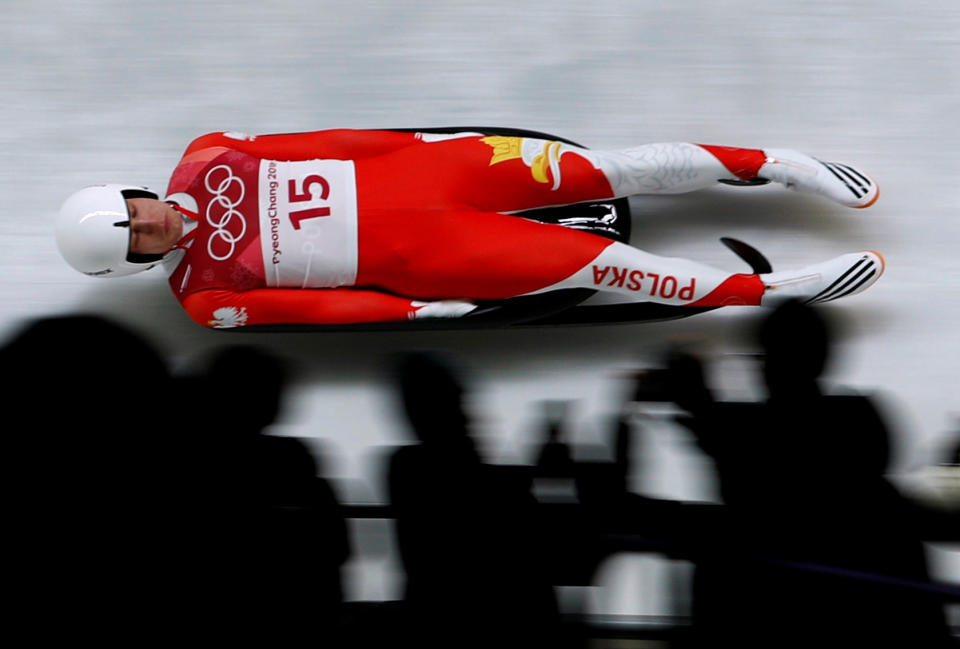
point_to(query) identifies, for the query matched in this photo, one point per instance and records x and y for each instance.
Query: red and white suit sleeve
(223, 308)
(332, 144)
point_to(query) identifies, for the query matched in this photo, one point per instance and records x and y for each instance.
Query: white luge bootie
(842, 276)
(838, 182)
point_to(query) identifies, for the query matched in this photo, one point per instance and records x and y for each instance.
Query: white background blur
(113, 90)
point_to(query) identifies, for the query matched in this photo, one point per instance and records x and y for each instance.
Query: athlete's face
(155, 226)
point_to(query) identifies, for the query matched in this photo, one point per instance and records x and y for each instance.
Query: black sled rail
(558, 314)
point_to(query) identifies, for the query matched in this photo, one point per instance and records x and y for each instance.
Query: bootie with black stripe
(842, 276)
(839, 182)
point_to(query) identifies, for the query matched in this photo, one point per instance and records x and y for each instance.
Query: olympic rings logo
(228, 193)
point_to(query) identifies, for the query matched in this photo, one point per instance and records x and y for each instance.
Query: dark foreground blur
(151, 507)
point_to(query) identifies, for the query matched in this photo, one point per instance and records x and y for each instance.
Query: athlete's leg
(506, 174)
(479, 172)
(482, 255)
(623, 269)
(678, 167)
(487, 255)
(674, 167)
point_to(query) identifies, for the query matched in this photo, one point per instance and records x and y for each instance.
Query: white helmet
(93, 231)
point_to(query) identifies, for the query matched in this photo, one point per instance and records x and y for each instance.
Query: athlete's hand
(442, 309)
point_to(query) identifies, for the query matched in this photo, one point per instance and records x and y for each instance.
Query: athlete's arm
(336, 144)
(222, 308)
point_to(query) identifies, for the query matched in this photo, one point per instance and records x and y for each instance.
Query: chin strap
(184, 211)
(186, 239)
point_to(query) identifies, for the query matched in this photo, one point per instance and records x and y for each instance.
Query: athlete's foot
(839, 182)
(845, 275)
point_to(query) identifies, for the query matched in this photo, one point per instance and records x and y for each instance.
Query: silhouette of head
(795, 339)
(89, 386)
(253, 380)
(432, 397)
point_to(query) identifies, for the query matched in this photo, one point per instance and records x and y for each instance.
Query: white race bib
(308, 223)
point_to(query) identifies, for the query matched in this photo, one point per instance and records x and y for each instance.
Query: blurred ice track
(113, 90)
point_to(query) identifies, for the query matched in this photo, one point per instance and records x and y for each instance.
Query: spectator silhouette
(573, 538)
(951, 465)
(941, 499)
(93, 525)
(816, 547)
(555, 457)
(464, 531)
(275, 533)
(950, 479)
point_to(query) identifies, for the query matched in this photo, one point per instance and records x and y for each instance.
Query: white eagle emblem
(229, 316)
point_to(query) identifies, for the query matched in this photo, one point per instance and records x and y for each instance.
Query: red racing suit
(352, 226)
